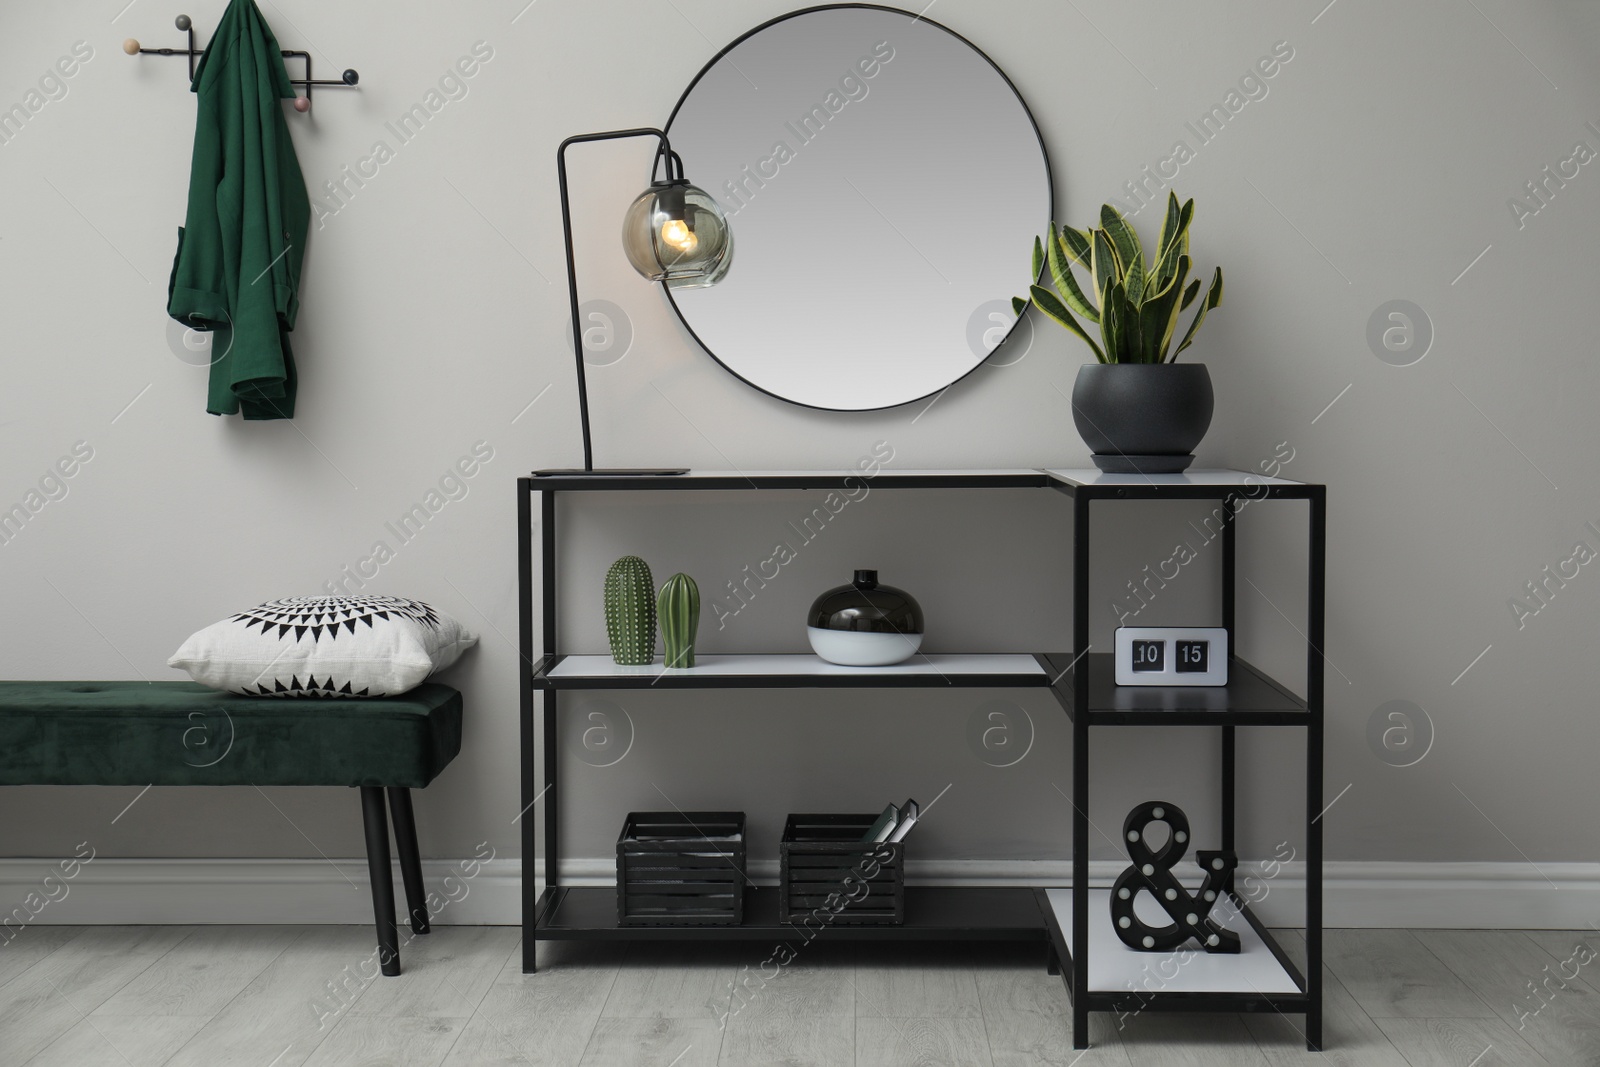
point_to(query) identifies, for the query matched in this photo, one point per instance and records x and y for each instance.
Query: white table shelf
(793, 670)
(1115, 968)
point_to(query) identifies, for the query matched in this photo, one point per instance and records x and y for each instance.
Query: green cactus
(631, 612)
(678, 607)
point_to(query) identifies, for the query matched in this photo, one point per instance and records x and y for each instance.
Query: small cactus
(631, 612)
(678, 607)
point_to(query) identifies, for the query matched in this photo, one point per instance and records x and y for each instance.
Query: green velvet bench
(181, 733)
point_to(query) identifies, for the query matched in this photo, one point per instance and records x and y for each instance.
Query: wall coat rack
(186, 24)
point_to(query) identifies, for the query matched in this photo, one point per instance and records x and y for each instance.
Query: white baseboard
(181, 891)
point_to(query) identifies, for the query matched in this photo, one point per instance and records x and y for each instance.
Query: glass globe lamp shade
(675, 233)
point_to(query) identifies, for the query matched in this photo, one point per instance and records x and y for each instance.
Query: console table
(1261, 978)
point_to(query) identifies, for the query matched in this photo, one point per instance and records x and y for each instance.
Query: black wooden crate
(681, 868)
(823, 862)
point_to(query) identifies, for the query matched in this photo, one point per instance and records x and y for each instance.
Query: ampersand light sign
(1152, 873)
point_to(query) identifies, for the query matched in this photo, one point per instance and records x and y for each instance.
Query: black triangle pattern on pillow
(321, 616)
(309, 688)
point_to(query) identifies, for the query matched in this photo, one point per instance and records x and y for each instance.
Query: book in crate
(830, 871)
(678, 868)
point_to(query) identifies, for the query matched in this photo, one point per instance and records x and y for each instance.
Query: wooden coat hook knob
(302, 103)
(182, 22)
(131, 46)
(349, 77)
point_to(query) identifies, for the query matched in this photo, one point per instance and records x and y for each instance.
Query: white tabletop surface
(1196, 477)
(799, 663)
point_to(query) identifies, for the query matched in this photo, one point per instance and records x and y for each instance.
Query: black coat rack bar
(186, 24)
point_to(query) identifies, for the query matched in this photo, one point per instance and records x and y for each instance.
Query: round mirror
(883, 182)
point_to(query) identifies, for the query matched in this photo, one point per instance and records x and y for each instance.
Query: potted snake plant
(1137, 409)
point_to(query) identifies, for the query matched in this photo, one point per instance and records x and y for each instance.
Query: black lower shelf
(933, 913)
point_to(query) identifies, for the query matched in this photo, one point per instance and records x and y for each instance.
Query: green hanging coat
(237, 270)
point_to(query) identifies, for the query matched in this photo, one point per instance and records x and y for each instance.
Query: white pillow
(325, 646)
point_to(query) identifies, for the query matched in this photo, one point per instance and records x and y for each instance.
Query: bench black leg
(405, 843)
(382, 881)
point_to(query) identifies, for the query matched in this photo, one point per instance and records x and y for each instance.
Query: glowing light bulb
(676, 233)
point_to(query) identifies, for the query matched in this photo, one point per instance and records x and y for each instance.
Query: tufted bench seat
(181, 733)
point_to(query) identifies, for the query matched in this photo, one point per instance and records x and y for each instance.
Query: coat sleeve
(197, 291)
(262, 374)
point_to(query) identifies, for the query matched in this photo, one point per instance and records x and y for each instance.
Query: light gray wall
(1377, 167)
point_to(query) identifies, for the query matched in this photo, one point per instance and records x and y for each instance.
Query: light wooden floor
(286, 996)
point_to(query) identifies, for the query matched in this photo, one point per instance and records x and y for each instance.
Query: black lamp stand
(664, 152)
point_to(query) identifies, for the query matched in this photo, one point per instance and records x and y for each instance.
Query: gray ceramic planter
(1143, 418)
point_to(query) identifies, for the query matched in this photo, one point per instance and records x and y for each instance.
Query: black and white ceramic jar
(865, 624)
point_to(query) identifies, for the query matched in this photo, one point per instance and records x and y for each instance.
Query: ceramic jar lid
(864, 606)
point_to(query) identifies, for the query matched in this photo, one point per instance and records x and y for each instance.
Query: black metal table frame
(997, 913)
(1075, 974)
(1073, 694)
